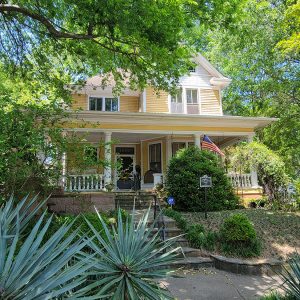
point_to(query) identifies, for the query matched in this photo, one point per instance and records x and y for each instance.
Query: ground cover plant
(278, 231)
(182, 181)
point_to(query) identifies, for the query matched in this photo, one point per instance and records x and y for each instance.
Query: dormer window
(192, 69)
(104, 103)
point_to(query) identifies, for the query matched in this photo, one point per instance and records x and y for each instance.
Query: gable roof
(218, 78)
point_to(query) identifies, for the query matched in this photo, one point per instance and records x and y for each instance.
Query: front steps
(139, 199)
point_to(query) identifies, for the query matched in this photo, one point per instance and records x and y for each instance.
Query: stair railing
(160, 222)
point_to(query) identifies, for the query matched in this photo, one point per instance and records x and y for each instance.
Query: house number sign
(205, 181)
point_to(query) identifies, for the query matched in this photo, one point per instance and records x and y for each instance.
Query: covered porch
(143, 155)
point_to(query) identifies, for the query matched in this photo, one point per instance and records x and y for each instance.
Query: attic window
(192, 69)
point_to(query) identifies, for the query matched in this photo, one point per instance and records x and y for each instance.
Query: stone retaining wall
(76, 203)
(247, 267)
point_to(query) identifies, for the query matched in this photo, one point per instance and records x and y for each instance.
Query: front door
(125, 158)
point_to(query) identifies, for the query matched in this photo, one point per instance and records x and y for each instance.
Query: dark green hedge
(184, 172)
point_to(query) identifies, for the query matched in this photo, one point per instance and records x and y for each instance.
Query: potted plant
(124, 182)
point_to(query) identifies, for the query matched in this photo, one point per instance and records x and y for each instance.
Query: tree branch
(6, 8)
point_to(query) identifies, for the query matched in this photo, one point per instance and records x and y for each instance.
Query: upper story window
(192, 101)
(191, 96)
(95, 103)
(177, 103)
(103, 104)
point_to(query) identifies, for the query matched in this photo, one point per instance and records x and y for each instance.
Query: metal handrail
(161, 216)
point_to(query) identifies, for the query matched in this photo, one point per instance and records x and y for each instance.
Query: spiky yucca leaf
(39, 269)
(291, 277)
(131, 259)
(16, 216)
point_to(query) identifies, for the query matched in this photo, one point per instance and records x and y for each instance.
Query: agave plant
(37, 269)
(291, 277)
(130, 260)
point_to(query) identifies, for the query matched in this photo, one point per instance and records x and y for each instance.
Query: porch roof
(164, 123)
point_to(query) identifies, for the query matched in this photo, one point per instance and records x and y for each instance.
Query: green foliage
(270, 167)
(195, 233)
(177, 216)
(238, 236)
(183, 176)
(264, 70)
(36, 270)
(141, 41)
(201, 238)
(130, 260)
(291, 277)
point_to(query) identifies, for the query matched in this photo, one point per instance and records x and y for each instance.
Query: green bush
(238, 237)
(182, 182)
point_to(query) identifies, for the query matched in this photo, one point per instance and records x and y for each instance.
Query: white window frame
(197, 93)
(103, 102)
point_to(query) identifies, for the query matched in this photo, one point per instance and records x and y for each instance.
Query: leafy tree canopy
(259, 52)
(144, 39)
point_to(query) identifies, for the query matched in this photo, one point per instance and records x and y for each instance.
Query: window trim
(103, 102)
(197, 92)
(161, 154)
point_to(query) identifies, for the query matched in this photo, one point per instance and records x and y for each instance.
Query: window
(103, 104)
(192, 69)
(177, 146)
(177, 98)
(155, 157)
(125, 150)
(111, 104)
(95, 103)
(191, 96)
(180, 145)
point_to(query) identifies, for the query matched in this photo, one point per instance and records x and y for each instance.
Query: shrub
(183, 176)
(238, 236)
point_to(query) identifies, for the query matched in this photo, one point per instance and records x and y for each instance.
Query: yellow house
(146, 129)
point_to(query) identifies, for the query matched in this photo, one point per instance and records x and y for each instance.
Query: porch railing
(240, 180)
(82, 183)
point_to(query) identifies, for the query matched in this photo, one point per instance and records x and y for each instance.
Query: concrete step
(190, 252)
(193, 263)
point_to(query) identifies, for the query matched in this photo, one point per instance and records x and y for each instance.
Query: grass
(278, 231)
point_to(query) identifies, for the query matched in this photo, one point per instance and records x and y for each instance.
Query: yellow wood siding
(129, 103)
(156, 103)
(79, 101)
(210, 102)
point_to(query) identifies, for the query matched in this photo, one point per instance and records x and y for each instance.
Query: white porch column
(197, 140)
(169, 148)
(64, 165)
(107, 151)
(254, 179)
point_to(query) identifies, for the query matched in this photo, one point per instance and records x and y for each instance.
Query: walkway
(212, 284)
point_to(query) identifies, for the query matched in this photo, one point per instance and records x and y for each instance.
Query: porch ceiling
(134, 138)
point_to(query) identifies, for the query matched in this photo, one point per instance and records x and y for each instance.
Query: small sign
(205, 181)
(171, 201)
